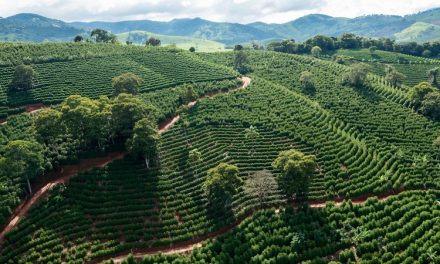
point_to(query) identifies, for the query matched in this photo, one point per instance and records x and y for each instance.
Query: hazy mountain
(419, 32)
(29, 27)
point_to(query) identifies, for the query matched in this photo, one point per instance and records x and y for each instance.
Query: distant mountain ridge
(30, 27)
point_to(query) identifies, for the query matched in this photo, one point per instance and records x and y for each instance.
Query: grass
(201, 45)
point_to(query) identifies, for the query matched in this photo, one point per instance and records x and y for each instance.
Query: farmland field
(372, 196)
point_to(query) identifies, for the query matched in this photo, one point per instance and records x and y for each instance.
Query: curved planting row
(125, 206)
(159, 68)
(402, 229)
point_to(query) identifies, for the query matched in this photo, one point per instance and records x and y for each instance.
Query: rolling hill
(375, 184)
(201, 45)
(28, 27)
(419, 32)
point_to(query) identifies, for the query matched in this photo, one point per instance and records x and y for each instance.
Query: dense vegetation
(66, 69)
(403, 229)
(306, 129)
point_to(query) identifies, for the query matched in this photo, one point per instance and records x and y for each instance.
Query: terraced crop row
(402, 229)
(91, 77)
(380, 115)
(125, 206)
(385, 57)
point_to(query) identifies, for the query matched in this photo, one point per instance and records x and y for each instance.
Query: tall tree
(296, 167)
(153, 42)
(356, 76)
(78, 38)
(306, 81)
(316, 51)
(126, 83)
(433, 75)
(394, 77)
(103, 36)
(144, 141)
(195, 159)
(261, 185)
(221, 184)
(418, 93)
(25, 159)
(240, 62)
(126, 110)
(24, 78)
(48, 125)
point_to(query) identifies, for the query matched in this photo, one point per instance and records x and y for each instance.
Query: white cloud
(242, 11)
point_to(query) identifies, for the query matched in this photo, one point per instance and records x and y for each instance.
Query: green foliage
(221, 184)
(316, 51)
(144, 140)
(23, 159)
(126, 110)
(24, 78)
(103, 36)
(260, 186)
(126, 83)
(394, 77)
(47, 125)
(241, 61)
(295, 167)
(418, 93)
(152, 41)
(433, 76)
(356, 75)
(431, 105)
(306, 81)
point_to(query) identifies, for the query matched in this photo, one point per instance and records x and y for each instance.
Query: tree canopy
(221, 184)
(295, 167)
(418, 92)
(103, 36)
(356, 76)
(144, 140)
(23, 79)
(126, 83)
(153, 42)
(23, 159)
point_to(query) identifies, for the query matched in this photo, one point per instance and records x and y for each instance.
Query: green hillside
(201, 45)
(367, 141)
(419, 32)
(66, 69)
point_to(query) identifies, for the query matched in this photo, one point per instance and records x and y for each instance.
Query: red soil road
(31, 108)
(187, 246)
(172, 120)
(64, 173)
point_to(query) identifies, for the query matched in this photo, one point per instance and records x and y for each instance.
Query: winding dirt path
(64, 173)
(189, 245)
(174, 119)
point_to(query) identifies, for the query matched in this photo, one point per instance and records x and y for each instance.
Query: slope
(201, 45)
(419, 32)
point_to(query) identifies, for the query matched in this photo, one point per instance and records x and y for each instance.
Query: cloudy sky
(242, 11)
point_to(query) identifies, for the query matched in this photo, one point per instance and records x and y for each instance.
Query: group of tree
(222, 181)
(356, 76)
(82, 124)
(351, 41)
(426, 99)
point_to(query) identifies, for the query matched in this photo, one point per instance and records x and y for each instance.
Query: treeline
(351, 41)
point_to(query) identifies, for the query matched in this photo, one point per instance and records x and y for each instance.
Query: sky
(240, 11)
